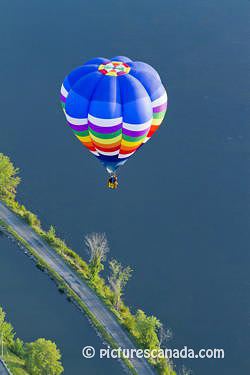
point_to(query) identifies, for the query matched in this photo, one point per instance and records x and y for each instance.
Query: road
(87, 295)
(3, 370)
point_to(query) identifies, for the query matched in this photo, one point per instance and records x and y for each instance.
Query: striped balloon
(113, 107)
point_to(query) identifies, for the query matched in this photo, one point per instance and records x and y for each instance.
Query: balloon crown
(114, 68)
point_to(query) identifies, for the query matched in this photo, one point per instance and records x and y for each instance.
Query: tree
(32, 219)
(147, 328)
(43, 358)
(18, 348)
(8, 177)
(97, 247)
(164, 335)
(51, 234)
(6, 330)
(118, 280)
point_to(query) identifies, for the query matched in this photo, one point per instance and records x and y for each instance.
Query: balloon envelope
(113, 107)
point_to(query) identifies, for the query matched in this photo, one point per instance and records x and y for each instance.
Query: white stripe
(161, 100)
(136, 127)
(146, 139)
(76, 121)
(122, 156)
(94, 152)
(111, 153)
(64, 92)
(105, 122)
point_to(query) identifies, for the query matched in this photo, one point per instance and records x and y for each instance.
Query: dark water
(36, 309)
(181, 215)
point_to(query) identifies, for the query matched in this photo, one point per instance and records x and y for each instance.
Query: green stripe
(105, 136)
(159, 114)
(133, 139)
(85, 133)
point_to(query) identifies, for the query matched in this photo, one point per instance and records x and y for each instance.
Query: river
(180, 217)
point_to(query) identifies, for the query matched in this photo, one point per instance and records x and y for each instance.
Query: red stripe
(89, 146)
(152, 130)
(108, 149)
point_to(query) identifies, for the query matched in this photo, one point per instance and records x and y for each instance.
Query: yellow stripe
(157, 121)
(106, 141)
(131, 144)
(84, 139)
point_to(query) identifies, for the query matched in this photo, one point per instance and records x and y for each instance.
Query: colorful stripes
(113, 107)
(112, 137)
(159, 107)
(106, 134)
(80, 128)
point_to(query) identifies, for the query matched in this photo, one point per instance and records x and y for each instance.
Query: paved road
(3, 370)
(90, 299)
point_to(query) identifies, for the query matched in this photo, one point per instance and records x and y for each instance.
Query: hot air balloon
(113, 106)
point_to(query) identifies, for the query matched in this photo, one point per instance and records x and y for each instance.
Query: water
(181, 215)
(36, 309)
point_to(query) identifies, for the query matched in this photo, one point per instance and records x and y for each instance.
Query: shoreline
(143, 367)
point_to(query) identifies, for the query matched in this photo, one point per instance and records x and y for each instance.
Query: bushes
(18, 348)
(140, 326)
(146, 330)
(61, 248)
(6, 330)
(43, 357)
(39, 357)
(20, 210)
(31, 219)
(8, 178)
